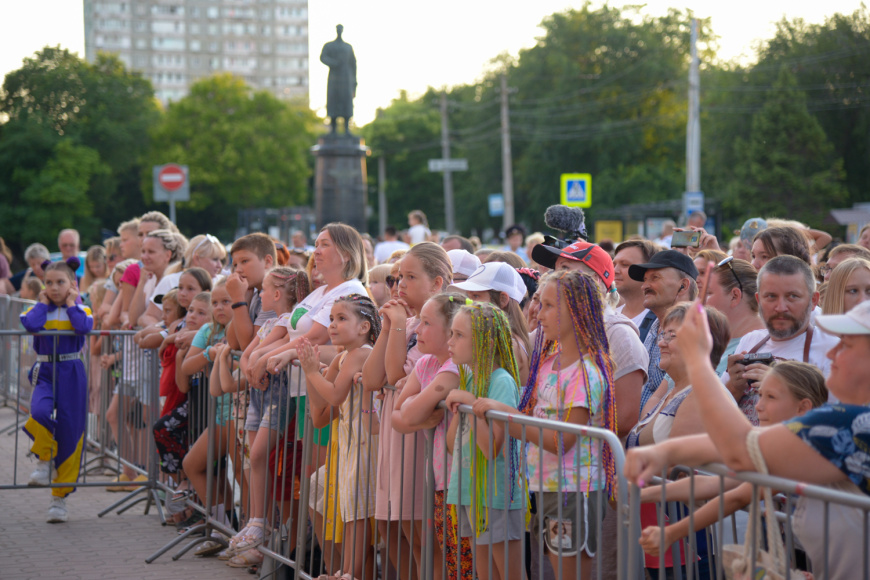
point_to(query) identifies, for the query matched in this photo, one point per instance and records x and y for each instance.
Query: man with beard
(669, 277)
(786, 298)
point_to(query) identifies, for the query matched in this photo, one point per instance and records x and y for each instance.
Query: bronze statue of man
(341, 84)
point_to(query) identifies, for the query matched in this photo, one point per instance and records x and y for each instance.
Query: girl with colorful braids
(486, 483)
(571, 380)
(355, 326)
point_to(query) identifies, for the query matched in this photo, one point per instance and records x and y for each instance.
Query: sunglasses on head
(727, 262)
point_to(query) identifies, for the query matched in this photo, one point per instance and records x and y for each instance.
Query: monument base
(340, 188)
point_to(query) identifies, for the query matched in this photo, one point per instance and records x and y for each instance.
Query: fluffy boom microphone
(569, 220)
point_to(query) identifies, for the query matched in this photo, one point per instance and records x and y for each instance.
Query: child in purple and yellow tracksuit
(60, 387)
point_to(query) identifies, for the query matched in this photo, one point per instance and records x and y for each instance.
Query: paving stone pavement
(86, 547)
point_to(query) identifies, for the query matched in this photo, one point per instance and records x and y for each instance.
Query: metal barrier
(295, 473)
(831, 520)
(310, 531)
(117, 445)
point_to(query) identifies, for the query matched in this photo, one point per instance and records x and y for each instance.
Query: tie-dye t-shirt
(559, 390)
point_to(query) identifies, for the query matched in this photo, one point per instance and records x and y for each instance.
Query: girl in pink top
(423, 272)
(433, 377)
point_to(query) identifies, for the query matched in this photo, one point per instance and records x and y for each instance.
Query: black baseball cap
(664, 259)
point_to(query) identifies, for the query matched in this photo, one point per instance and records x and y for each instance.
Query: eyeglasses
(392, 280)
(667, 337)
(727, 262)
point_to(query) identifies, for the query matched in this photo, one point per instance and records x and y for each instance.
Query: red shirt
(168, 388)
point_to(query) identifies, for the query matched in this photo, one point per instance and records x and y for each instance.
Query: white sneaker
(57, 513)
(43, 474)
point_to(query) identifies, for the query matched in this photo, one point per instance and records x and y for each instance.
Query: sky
(411, 45)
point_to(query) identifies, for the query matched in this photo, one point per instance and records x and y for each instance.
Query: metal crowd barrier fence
(120, 401)
(825, 529)
(317, 492)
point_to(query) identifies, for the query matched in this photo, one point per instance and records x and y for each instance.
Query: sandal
(246, 559)
(250, 537)
(209, 548)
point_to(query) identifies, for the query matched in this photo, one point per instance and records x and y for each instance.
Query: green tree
(57, 195)
(602, 91)
(245, 149)
(787, 168)
(101, 107)
(407, 135)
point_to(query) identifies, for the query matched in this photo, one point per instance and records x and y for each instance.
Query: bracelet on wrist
(399, 329)
(239, 305)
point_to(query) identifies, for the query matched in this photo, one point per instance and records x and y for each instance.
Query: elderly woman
(822, 447)
(672, 410)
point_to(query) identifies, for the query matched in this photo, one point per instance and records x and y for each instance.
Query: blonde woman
(848, 286)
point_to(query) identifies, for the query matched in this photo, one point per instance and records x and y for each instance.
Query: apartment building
(176, 42)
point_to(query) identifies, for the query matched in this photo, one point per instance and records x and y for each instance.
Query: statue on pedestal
(341, 84)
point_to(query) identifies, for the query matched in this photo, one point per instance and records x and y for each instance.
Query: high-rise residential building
(175, 42)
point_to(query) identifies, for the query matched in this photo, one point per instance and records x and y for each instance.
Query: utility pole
(693, 127)
(507, 173)
(449, 212)
(382, 194)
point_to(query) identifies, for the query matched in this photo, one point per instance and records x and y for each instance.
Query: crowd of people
(681, 348)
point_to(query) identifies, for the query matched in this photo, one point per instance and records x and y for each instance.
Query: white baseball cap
(463, 262)
(497, 276)
(856, 321)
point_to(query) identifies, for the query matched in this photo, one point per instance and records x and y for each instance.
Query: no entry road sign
(171, 182)
(172, 177)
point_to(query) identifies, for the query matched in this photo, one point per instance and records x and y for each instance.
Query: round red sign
(171, 177)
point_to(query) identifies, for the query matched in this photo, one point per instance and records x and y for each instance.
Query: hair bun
(45, 264)
(74, 263)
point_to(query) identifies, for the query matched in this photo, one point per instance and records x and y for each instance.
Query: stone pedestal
(340, 187)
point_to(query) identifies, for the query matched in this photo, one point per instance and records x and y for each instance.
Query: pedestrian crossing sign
(576, 190)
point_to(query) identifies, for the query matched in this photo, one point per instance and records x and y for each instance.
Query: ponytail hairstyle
(586, 309)
(293, 283)
(491, 339)
(366, 309)
(434, 260)
(68, 267)
(449, 304)
(803, 381)
(742, 275)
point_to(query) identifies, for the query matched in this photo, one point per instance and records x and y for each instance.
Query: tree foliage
(245, 149)
(62, 111)
(787, 166)
(604, 91)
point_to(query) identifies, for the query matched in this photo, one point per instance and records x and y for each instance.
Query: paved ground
(86, 547)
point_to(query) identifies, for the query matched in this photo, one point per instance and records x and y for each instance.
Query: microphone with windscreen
(569, 220)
